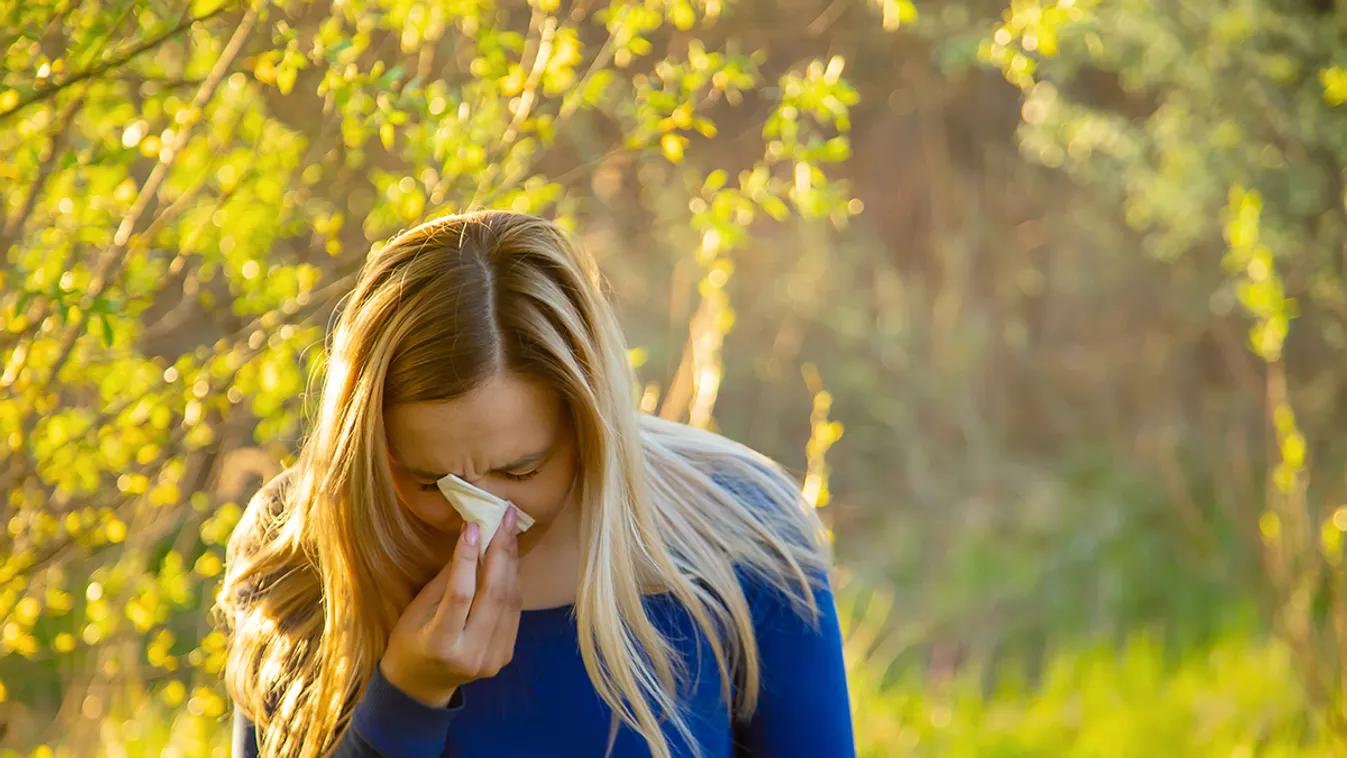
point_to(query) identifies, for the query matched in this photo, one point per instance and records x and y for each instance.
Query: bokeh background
(1042, 300)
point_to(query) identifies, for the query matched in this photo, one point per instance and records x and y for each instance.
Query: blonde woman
(671, 597)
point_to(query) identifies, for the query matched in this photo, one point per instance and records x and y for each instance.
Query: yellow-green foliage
(185, 197)
(188, 190)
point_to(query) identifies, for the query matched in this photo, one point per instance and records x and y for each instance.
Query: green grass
(1239, 697)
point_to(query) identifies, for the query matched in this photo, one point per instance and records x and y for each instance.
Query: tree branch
(49, 91)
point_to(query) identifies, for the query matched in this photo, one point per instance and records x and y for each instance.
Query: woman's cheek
(430, 507)
(559, 490)
(545, 496)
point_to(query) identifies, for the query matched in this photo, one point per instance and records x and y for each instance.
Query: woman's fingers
(459, 592)
(499, 586)
(507, 623)
(472, 631)
(506, 632)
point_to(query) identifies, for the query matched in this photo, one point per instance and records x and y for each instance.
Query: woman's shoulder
(743, 472)
(763, 488)
(755, 482)
(766, 500)
(769, 496)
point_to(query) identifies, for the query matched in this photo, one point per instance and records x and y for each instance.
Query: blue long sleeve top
(543, 704)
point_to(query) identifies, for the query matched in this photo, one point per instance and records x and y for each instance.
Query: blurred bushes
(1067, 463)
(189, 190)
(1224, 145)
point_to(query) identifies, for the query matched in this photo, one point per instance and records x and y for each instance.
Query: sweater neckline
(569, 608)
(550, 610)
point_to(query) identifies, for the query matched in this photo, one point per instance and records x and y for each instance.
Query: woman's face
(511, 437)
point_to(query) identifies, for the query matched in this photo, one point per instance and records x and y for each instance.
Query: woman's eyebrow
(527, 460)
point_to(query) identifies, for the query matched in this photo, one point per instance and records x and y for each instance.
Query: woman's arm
(803, 708)
(387, 723)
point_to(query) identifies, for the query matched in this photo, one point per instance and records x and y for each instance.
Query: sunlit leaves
(559, 66)
(823, 434)
(332, 131)
(1260, 289)
(280, 68)
(1262, 292)
(672, 145)
(627, 23)
(895, 13)
(1030, 30)
(1335, 85)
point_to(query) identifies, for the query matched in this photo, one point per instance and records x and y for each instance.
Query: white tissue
(481, 508)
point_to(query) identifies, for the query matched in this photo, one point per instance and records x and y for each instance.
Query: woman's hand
(455, 630)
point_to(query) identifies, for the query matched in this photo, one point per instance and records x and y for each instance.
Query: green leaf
(337, 49)
(108, 336)
(25, 297)
(285, 79)
(775, 207)
(390, 79)
(714, 181)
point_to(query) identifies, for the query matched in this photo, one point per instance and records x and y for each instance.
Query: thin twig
(530, 93)
(572, 99)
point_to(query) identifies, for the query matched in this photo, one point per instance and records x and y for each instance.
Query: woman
(670, 598)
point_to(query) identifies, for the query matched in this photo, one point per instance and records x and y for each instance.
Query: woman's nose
(479, 483)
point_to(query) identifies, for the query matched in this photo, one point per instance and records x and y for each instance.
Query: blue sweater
(543, 705)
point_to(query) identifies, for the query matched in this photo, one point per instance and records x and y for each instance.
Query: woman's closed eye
(511, 475)
(520, 477)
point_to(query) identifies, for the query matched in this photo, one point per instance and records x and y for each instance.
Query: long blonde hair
(325, 557)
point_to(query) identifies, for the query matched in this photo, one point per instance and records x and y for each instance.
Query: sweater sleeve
(386, 723)
(803, 707)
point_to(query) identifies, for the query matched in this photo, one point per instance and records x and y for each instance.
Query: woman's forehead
(504, 420)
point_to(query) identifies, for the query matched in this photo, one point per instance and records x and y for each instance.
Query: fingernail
(510, 518)
(470, 534)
